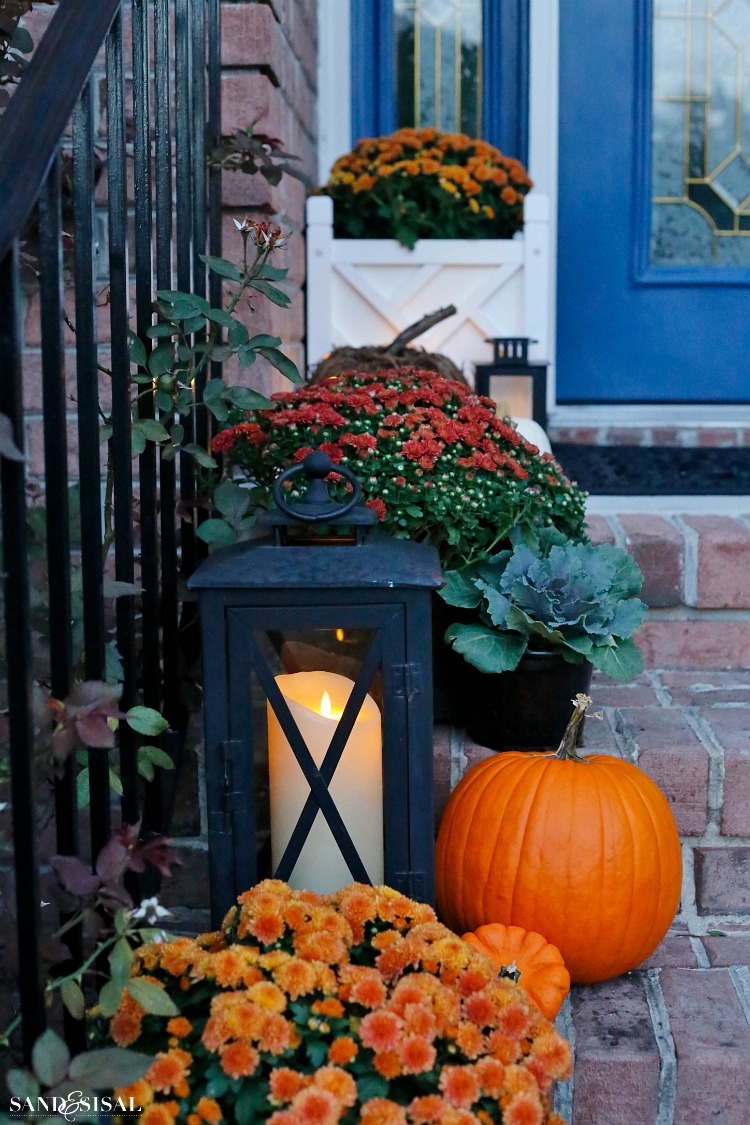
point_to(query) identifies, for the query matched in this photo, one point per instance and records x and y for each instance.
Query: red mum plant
(434, 460)
(358, 1007)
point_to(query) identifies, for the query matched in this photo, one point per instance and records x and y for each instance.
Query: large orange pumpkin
(582, 849)
(543, 975)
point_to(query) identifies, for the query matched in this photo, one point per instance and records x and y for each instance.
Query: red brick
(658, 548)
(607, 692)
(712, 1043)
(599, 530)
(717, 438)
(708, 688)
(735, 819)
(616, 1059)
(441, 764)
(734, 949)
(722, 880)
(250, 36)
(673, 757)
(666, 435)
(723, 562)
(576, 435)
(248, 96)
(476, 753)
(674, 952)
(626, 435)
(694, 643)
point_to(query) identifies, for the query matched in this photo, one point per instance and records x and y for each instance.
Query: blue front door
(654, 201)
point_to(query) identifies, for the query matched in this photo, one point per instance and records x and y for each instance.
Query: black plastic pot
(527, 709)
(450, 672)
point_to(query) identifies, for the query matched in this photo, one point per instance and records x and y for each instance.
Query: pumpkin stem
(566, 751)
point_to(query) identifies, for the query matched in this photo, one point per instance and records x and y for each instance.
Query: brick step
(667, 1043)
(696, 583)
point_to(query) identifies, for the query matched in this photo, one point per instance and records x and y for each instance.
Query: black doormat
(634, 470)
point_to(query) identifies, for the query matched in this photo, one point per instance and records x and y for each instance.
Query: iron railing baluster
(121, 467)
(88, 444)
(18, 658)
(184, 223)
(143, 300)
(173, 709)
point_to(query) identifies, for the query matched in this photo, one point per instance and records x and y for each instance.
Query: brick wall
(269, 59)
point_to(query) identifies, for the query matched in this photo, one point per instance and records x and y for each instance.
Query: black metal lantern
(518, 387)
(318, 699)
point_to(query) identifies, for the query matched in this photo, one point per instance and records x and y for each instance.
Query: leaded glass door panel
(654, 201)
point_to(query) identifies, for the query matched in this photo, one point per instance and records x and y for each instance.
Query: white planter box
(365, 291)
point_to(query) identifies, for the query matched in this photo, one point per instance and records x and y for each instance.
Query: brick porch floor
(669, 1044)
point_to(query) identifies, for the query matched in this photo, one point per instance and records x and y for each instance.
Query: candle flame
(339, 634)
(326, 710)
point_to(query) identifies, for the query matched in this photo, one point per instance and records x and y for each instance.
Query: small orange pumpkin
(584, 849)
(544, 978)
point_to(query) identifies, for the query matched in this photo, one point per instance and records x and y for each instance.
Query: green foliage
(555, 594)
(255, 153)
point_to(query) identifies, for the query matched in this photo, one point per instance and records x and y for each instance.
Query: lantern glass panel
(298, 682)
(514, 395)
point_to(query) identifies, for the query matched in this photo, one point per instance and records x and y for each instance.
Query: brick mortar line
(740, 975)
(696, 613)
(621, 539)
(564, 1091)
(699, 950)
(629, 747)
(690, 541)
(664, 1045)
(688, 905)
(459, 760)
(716, 769)
(662, 693)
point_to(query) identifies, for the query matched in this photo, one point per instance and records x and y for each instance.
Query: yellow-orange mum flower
(158, 1114)
(239, 1059)
(427, 1110)
(276, 1035)
(513, 1020)
(523, 1109)
(342, 1050)
(470, 1040)
(125, 1025)
(297, 978)
(179, 1027)
(168, 1072)
(491, 1075)
(209, 1110)
(139, 1093)
(387, 1064)
(330, 1007)
(382, 1111)
(459, 1085)
(380, 1030)
(268, 996)
(337, 1082)
(286, 1083)
(416, 1055)
(314, 1106)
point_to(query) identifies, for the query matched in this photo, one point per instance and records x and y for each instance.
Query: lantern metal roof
(379, 562)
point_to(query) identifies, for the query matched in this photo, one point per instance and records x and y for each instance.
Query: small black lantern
(518, 387)
(318, 699)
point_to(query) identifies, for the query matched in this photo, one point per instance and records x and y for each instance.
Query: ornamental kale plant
(434, 460)
(550, 593)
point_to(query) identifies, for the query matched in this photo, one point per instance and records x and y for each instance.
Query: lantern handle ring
(316, 506)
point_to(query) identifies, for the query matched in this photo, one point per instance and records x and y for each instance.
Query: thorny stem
(566, 751)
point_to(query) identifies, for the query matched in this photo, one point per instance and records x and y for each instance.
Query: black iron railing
(153, 240)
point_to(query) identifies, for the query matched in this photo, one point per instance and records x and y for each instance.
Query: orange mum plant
(421, 183)
(357, 1007)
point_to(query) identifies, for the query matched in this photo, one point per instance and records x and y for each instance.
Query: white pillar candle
(316, 701)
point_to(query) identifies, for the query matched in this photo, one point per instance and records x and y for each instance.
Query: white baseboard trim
(668, 505)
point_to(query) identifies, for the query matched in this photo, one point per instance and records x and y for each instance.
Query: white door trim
(544, 71)
(334, 83)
